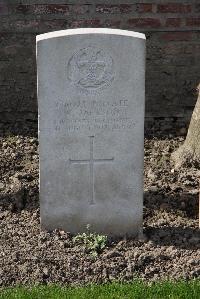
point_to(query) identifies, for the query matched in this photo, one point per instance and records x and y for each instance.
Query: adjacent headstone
(91, 90)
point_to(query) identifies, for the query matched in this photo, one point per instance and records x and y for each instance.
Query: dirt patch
(170, 249)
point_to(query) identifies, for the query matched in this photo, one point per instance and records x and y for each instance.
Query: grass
(135, 290)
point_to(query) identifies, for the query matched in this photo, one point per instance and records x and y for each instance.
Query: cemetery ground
(169, 250)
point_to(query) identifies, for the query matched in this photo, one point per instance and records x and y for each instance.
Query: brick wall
(173, 49)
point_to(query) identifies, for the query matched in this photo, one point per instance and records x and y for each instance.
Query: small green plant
(93, 242)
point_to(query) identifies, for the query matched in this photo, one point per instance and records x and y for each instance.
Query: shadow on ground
(24, 198)
(28, 128)
(186, 203)
(170, 220)
(179, 237)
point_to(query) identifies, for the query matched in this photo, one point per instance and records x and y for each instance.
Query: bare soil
(170, 248)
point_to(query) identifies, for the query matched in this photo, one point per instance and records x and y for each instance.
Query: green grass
(135, 290)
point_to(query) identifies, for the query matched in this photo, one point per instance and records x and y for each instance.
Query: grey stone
(91, 90)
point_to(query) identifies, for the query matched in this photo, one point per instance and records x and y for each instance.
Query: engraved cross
(91, 161)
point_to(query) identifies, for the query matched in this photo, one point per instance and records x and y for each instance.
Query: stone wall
(173, 49)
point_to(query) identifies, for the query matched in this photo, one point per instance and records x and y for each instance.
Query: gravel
(170, 247)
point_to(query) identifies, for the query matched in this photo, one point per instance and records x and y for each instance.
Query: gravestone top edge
(77, 31)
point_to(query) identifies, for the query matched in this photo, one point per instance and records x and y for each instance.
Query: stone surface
(91, 119)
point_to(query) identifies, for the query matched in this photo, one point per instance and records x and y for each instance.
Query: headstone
(91, 91)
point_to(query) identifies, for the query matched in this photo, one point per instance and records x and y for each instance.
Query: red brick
(193, 22)
(52, 25)
(144, 22)
(3, 9)
(112, 23)
(23, 8)
(144, 7)
(39, 25)
(177, 36)
(197, 8)
(80, 23)
(173, 49)
(43, 9)
(107, 8)
(173, 22)
(51, 9)
(80, 9)
(174, 8)
(24, 24)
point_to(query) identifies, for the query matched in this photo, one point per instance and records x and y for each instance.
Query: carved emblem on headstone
(90, 68)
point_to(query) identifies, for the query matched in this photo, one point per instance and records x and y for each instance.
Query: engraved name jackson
(90, 68)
